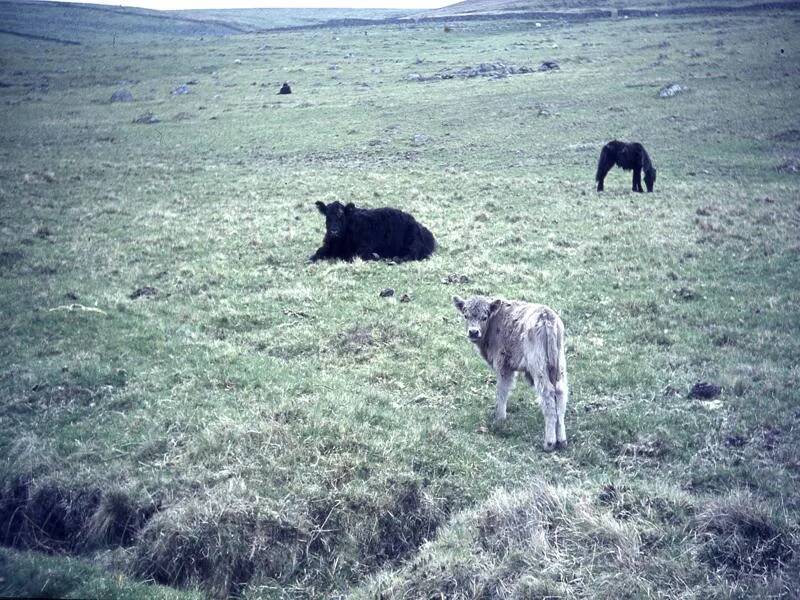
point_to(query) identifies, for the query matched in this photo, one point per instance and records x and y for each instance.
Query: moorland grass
(260, 426)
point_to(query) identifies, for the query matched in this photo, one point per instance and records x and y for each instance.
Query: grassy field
(186, 402)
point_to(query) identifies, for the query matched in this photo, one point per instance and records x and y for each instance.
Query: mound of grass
(542, 540)
(744, 538)
(31, 575)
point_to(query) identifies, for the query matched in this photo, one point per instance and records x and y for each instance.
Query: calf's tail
(554, 339)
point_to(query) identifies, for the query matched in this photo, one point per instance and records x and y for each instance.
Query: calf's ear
(458, 303)
(494, 306)
(350, 207)
(320, 206)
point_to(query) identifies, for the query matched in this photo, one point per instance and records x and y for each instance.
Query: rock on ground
(123, 95)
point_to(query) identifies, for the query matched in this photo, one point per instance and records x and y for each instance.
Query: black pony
(629, 156)
(372, 233)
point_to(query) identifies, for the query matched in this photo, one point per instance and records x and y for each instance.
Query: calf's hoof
(548, 446)
(561, 445)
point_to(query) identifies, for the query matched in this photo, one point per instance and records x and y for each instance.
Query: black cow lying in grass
(372, 234)
(629, 156)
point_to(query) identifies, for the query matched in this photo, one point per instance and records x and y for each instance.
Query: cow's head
(476, 312)
(650, 178)
(336, 215)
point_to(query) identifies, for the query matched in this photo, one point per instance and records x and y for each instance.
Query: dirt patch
(702, 390)
(790, 135)
(402, 526)
(9, 258)
(143, 292)
(791, 165)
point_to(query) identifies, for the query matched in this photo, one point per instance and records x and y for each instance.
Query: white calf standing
(514, 336)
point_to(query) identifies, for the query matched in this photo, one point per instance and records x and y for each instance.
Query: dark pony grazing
(372, 234)
(629, 156)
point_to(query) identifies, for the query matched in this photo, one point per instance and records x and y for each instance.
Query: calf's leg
(547, 402)
(505, 382)
(561, 395)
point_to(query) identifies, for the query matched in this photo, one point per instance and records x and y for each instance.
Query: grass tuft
(744, 538)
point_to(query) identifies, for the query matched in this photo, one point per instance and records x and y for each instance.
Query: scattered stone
(703, 390)
(549, 65)
(39, 177)
(123, 95)
(387, 292)
(673, 89)
(405, 298)
(651, 447)
(455, 279)
(192, 82)
(285, 89)
(71, 296)
(181, 90)
(420, 139)
(147, 118)
(143, 292)
(497, 70)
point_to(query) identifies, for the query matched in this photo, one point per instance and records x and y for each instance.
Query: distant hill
(84, 22)
(493, 7)
(76, 22)
(272, 18)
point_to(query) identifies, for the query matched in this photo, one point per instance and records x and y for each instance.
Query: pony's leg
(603, 167)
(637, 180)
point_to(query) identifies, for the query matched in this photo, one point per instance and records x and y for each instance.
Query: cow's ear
(458, 303)
(495, 306)
(320, 206)
(350, 207)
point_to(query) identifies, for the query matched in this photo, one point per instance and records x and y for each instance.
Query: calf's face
(476, 312)
(335, 217)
